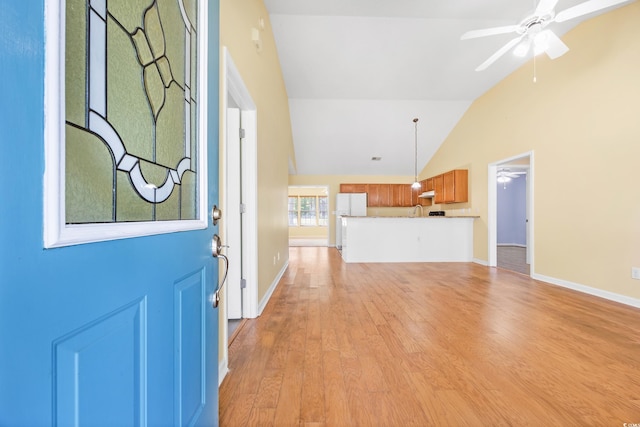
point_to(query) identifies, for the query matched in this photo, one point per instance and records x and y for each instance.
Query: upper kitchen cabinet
(455, 186)
(353, 188)
(438, 187)
(402, 195)
(378, 195)
(449, 187)
(427, 185)
(385, 195)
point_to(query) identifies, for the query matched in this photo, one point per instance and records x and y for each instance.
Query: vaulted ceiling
(358, 72)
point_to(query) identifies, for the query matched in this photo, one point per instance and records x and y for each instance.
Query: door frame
(492, 206)
(233, 87)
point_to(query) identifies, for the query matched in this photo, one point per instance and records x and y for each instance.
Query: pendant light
(416, 184)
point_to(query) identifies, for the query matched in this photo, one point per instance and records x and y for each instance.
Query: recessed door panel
(100, 371)
(189, 348)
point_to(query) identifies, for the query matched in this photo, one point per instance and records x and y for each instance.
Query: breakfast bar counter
(405, 239)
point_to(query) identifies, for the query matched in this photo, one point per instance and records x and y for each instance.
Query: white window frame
(56, 232)
(299, 210)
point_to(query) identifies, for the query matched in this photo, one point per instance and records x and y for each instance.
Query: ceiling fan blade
(556, 47)
(489, 32)
(499, 53)
(585, 8)
(545, 6)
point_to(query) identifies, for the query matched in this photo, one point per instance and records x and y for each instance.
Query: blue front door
(114, 333)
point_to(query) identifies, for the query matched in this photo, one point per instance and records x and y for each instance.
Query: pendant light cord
(415, 164)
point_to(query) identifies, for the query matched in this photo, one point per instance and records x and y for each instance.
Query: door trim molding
(492, 208)
(233, 87)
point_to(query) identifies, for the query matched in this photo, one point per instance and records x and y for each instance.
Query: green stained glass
(75, 71)
(88, 178)
(128, 111)
(142, 47)
(165, 71)
(174, 39)
(188, 206)
(153, 30)
(194, 66)
(128, 12)
(170, 208)
(191, 8)
(153, 173)
(154, 88)
(170, 135)
(134, 111)
(130, 207)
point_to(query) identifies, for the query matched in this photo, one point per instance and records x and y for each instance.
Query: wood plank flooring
(430, 344)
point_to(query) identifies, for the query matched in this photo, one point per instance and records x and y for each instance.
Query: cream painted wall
(262, 76)
(582, 121)
(333, 183)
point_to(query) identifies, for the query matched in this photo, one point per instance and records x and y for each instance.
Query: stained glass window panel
(131, 111)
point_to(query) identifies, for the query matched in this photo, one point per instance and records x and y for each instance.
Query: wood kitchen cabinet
(438, 187)
(414, 193)
(397, 195)
(424, 185)
(451, 187)
(378, 195)
(385, 195)
(427, 184)
(353, 188)
(402, 195)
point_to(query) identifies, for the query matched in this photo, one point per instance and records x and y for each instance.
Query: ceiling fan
(531, 31)
(505, 172)
(505, 175)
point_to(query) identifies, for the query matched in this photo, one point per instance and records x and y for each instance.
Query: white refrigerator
(348, 204)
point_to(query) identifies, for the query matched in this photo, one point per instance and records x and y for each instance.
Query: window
(308, 211)
(323, 211)
(125, 150)
(293, 211)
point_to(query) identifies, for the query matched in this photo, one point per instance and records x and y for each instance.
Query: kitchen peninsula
(405, 239)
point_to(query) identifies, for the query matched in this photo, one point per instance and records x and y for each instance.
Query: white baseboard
(622, 299)
(611, 296)
(272, 288)
(223, 370)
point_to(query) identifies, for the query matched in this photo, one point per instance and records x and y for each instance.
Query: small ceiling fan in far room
(505, 175)
(532, 33)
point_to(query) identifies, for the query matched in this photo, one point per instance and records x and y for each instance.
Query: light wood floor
(430, 344)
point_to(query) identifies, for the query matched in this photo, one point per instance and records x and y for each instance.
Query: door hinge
(242, 133)
(243, 208)
(243, 283)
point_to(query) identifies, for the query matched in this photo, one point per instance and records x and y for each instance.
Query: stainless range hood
(427, 194)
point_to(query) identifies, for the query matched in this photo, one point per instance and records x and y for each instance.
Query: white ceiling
(358, 71)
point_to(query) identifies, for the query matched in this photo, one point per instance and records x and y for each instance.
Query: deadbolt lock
(216, 214)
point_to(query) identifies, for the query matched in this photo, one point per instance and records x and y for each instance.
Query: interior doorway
(511, 213)
(239, 220)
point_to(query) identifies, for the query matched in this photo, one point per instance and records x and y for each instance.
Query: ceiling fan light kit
(531, 31)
